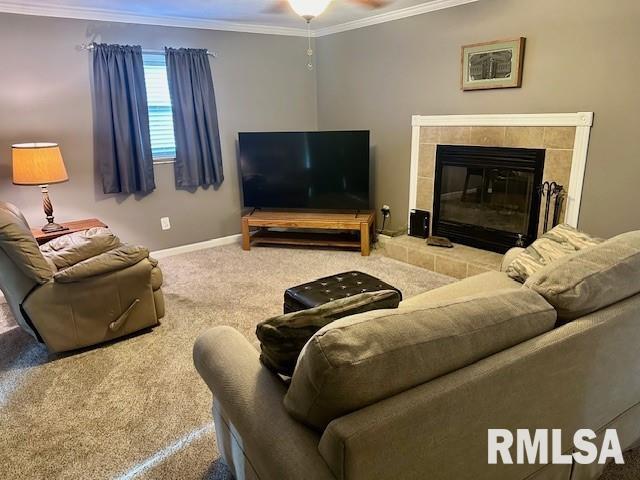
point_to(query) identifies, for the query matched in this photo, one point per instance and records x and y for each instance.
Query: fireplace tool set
(551, 191)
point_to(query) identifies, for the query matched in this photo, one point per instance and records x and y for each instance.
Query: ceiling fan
(310, 9)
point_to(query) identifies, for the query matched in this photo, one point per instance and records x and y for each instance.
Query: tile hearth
(460, 261)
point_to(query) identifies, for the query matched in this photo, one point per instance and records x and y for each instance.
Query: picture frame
(495, 64)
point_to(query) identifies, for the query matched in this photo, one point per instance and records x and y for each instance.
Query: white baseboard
(194, 247)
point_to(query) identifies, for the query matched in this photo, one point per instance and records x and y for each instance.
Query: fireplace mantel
(582, 121)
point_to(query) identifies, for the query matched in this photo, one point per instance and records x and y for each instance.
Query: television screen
(305, 170)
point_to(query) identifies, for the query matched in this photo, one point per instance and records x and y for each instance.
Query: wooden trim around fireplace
(580, 119)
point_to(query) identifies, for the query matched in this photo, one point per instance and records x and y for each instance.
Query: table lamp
(40, 164)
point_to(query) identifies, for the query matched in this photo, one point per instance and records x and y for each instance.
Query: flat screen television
(305, 170)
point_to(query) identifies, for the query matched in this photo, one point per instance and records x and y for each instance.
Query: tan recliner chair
(77, 290)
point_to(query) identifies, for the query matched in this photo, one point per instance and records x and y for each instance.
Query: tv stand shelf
(354, 230)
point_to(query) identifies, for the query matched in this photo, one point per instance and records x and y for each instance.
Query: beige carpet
(137, 408)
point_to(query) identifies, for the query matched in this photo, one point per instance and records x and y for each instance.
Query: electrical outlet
(165, 223)
(386, 210)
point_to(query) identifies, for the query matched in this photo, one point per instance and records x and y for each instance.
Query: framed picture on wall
(496, 64)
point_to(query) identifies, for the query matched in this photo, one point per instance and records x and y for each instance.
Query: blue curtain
(121, 120)
(195, 119)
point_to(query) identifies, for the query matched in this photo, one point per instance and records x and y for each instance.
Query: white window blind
(163, 143)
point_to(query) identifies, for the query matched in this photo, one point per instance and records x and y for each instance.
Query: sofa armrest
(117, 259)
(248, 397)
(511, 254)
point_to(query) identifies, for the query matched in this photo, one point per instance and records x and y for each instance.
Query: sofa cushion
(482, 283)
(362, 359)
(558, 242)
(592, 278)
(18, 243)
(282, 337)
(75, 247)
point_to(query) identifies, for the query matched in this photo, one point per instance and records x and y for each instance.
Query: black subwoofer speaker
(419, 223)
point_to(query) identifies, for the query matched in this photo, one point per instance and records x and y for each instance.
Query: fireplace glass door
(497, 198)
(487, 196)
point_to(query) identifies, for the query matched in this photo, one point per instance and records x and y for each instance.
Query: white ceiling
(243, 15)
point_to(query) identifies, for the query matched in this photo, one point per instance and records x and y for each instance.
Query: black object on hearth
(441, 242)
(487, 197)
(419, 223)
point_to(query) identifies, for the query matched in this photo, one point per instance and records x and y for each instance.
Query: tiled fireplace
(561, 139)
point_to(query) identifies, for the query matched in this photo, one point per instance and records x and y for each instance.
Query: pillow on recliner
(283, 337)
(75, 247)
(111, 261)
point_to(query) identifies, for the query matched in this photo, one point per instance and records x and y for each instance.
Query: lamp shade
(309, 8)
(38, 164)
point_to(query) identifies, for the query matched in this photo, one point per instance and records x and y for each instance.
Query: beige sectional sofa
(411, 393)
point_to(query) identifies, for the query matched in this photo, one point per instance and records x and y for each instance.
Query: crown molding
(104, 15)
(165, 21)
(432, 6)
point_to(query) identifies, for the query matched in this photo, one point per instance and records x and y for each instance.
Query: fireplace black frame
(523, 159)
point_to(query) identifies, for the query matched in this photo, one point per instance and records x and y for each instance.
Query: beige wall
(580, 56)
(261, 84)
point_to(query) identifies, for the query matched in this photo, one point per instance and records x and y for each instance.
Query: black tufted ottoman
(326, 289)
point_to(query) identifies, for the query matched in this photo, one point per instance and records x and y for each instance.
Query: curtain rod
(91, 46)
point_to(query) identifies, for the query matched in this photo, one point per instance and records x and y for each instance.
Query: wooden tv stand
(348, 224)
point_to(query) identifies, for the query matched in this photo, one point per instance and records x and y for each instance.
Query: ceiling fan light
(309, 8)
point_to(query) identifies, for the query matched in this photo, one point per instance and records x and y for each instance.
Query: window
(163, 143)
